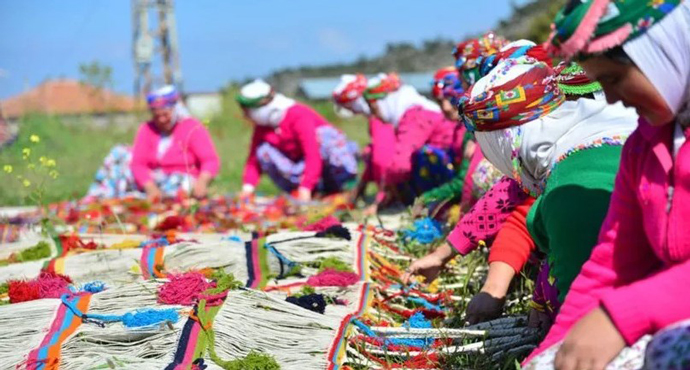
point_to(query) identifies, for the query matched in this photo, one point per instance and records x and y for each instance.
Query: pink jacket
(640, 269)
(485, 219)
(192, 151)
(295, 137)
(418, 127)
(382, 146)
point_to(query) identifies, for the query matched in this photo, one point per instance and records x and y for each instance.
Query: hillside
(530, 21)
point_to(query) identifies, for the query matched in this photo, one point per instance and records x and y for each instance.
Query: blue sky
(222, 40)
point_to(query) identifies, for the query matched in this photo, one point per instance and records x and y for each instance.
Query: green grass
(79, 150)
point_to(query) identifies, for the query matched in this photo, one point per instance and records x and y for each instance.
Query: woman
(447, 90)
(172, 155)
(547, 145)
(348, 95)
(635, 282)
(470, 53)
(420, 130)
(294, 145)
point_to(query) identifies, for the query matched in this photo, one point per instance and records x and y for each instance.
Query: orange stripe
(53, 357)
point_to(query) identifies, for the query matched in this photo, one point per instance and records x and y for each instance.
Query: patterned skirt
(115, 180)
(431, 167)
(339, 163)
(668, 349)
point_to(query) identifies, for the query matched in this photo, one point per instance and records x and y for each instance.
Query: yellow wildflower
(26, 152)
(43, 159)
(26, 183)
(50, 163)
(34, 138)
(54, 174)
(8, 168)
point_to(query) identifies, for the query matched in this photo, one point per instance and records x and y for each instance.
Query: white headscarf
(528, 152)
(663, 55)
(270, 114)
(358, 105)
(395, 104)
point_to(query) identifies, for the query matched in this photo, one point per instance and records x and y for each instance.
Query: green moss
(37, 252)
(334, 263)
(253, 361)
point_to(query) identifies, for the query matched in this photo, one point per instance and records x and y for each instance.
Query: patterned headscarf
(382, 85)
(595, 26)
(572, 80)
(468, 54)
(446, 85)
(527, 127)
(514, 50)
(165, 97)
(349, 89)
(497, 101)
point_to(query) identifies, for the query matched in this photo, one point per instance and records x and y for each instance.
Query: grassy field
(79, 149)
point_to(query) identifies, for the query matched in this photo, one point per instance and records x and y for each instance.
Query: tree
(98, 78)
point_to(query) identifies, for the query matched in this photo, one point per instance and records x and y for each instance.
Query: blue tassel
(94, 286)
(425, 231)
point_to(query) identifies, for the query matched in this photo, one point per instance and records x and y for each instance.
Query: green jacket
(565, 220)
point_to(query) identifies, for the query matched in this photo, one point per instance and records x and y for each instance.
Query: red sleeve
(304, 126)
(202, 146)
(140, 156)
(252, 170)
(513, 243)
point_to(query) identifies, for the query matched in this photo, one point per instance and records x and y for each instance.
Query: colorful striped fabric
(257, 264)
(47, 355)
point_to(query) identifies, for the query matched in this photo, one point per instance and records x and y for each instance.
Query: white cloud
(335, 41)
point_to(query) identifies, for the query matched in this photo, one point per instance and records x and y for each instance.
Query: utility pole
(149, 44)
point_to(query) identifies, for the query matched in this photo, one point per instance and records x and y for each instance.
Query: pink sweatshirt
(418, 127)
(640, 269)
(191, 151)
(295, 137)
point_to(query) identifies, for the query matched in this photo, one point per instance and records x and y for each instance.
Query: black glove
(484, 307)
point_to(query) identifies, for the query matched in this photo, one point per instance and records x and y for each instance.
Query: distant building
(321, 88)
(71, 98)
(204, 105)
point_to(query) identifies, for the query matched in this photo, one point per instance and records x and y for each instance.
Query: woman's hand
(153, 194)
(200, 189)
(303, 194)
(484, 307)
(488, 304)
(430, 265)
(591, 344)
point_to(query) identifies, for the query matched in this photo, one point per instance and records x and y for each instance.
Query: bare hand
(591, 344)
(303, 194)
(153, 193)
(428, 266)
(200, 190)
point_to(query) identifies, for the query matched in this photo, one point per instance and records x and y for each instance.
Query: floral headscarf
(446, 85)
(468, 54)
(572, 80)
(533, 93)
